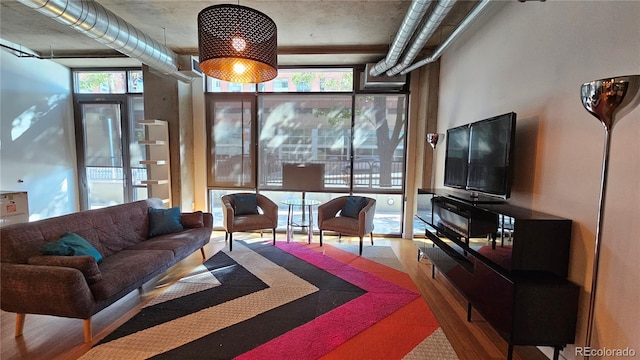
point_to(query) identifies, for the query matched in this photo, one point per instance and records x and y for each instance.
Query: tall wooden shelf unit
(157, 160)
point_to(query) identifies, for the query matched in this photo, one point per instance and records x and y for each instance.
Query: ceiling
(310, 32)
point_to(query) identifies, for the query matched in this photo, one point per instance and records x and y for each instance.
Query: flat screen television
(488, 168)
(457, 157)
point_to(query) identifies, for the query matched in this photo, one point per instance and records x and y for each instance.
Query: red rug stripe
(317, 338)
(391, 338)
(364, 264)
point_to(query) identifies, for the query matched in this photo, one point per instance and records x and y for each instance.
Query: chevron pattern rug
(289, 301)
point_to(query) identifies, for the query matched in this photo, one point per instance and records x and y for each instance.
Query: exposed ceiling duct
(411, 21)
(95, 21)
(464, 24)
(438, 14)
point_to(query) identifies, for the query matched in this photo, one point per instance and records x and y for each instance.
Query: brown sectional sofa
(77, 286)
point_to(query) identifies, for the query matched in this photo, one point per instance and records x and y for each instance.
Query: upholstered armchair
(351, 215)
(248, 211)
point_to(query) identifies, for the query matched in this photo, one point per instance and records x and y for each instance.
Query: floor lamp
(608, 100)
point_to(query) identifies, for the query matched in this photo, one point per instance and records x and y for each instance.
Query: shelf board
(152, 142)
(152, 122)
(155, 182)
(153, 162)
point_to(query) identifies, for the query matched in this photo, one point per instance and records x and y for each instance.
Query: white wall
(532, 58)
(37, 134)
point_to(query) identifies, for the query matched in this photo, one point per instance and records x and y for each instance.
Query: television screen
(456, 158)
(490, 168)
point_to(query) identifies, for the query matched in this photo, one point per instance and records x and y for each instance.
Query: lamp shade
(237, 44)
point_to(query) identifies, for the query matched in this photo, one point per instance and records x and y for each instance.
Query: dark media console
(509, 263)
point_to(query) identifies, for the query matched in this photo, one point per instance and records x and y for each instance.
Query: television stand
(475, 198)
(519, 284)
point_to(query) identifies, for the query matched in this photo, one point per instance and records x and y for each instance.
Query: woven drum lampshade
(237, 44)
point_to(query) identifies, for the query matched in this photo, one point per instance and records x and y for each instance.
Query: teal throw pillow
(245, 204)
(353, 206)
(164, 221)
(71, 244)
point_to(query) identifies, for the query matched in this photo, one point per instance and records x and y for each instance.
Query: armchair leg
(204, 257)
(274, 236)
(230, 241)
(320, 237)
(19, 324)
(360, 245)
(226, 236)
(87, 330)
(371, 236)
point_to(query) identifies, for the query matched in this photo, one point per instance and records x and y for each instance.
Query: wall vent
(189, 65)
(382, 81)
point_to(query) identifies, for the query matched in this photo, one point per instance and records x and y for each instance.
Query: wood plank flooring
(48, 337)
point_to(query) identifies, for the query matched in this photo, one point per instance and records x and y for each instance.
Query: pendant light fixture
(237, 44)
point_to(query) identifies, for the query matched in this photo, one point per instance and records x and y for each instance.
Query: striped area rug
(289, 301)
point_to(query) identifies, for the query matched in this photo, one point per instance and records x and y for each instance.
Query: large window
(378, 142)
(304, 129)
(230, 140)
(108, 104)
(108, 81)
(309, 116)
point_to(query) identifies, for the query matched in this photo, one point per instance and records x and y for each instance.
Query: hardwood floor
(48, 337)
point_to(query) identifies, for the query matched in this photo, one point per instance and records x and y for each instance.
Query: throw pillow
(71, 244)
(353, 206)
(245, 204)
(192, 220)
(86, 264)
(164, 221)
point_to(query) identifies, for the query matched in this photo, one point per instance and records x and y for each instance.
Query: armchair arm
(269, 209)
(227, 213)
(329, 209)
(365, 218)
(48, 290)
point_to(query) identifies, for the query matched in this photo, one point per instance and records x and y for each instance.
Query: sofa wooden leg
(19, 324)
(320, 237)
(204, 257)
(360, 245)
(230, 241)
(371, 236)
(274, 236)
(88, 336)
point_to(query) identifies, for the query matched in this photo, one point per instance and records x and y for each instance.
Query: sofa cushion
(192, 220)
(342, 224)
(181, 243)
(245, 204)
(164, 221)
(353, 205)
(129, 269)
(70, 244)
(86, 264)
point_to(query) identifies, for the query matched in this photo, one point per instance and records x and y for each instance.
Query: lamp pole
(608, 100)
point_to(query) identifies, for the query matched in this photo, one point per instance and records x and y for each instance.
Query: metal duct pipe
(454, 35)
(95, 21)
(407, 28)
(438, 14)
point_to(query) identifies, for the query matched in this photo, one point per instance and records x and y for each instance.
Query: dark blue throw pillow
(245, 204)
(71, 244)
(353, 206)
(164, 221)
